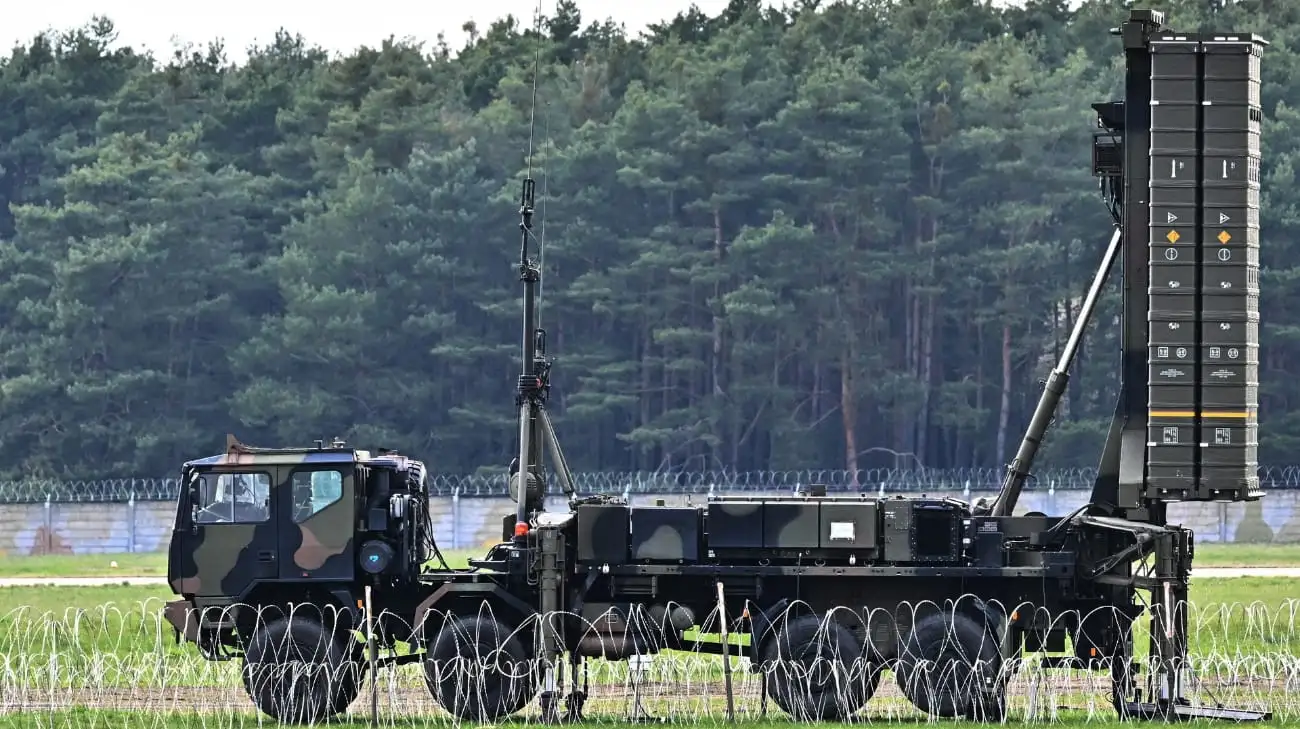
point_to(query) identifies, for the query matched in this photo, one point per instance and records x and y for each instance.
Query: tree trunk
(1004, 414)
(727, 420)
(849, 411)
(976, 441)
(905, 422)
(645, 345)
(927, 372)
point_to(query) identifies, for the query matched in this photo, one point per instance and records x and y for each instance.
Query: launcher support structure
(1178, 160)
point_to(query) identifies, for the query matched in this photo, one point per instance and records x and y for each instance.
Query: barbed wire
(307, 663)
(883, 480)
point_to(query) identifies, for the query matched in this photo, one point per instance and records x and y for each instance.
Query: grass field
(56, 641)
(1253, 614)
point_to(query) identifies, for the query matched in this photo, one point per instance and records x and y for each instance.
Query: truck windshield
(233, 498)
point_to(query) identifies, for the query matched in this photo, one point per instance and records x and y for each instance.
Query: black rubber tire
(299, 672)
(815, 671)
(943, 667)
(478, 670)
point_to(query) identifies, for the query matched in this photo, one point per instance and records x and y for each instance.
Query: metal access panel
(1171, 455)
(666, 534)
(1169, 360)
(851, 526)
(735, 525)
(1228, 390)
(897, 530)
(1175, 145)
(602, 534)
(791, 525)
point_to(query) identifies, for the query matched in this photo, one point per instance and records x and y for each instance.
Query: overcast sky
(333, 24)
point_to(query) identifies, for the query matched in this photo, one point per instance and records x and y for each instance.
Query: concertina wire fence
(642, 482)
(126, 658)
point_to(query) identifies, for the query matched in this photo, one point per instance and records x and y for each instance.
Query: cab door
(318, 530)
(226, 541)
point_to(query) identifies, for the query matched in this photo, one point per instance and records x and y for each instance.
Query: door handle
(266, 555)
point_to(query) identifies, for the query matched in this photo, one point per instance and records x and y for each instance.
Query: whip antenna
(534, 557)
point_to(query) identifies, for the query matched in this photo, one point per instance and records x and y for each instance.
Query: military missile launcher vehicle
(317, 546)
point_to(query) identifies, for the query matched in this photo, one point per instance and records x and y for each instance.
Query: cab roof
(281, 457)
(238, 454)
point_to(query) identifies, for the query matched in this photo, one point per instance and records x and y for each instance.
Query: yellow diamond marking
(1173, 236)
(1224, 237)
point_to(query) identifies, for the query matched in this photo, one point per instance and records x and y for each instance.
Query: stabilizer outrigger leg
(1163, 697)
(1168, 654)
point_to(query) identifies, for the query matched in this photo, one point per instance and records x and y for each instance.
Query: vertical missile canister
(1231, 120)
(1173, 243)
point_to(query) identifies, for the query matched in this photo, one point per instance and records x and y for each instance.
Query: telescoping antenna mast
(536, 433)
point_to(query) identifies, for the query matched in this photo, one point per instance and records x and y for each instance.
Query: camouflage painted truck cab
(272, 544)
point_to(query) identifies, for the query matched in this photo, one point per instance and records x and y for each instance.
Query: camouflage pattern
(259, 524)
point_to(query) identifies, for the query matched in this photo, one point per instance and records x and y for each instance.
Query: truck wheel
(296, 671)
(815, 670)
(478, 670)
(950, 666)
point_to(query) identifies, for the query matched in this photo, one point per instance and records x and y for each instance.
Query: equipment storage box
(666, 534)
(602, 534)
(850, 527)
(735, 524)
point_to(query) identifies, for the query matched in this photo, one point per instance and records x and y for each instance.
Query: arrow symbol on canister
(1170, 217)
(1223, 218)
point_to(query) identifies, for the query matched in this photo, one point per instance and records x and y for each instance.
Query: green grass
(111, 638)
(147, 564)
(1247, 555)
(1230, 617)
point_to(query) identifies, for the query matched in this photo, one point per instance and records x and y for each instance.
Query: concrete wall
(471, 523)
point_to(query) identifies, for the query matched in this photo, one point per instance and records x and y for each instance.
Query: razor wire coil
(124, 657)
(880, 480)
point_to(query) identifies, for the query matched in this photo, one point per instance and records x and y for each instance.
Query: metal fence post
(1223, 522)
(130, 524)
(48, 547)
(455, 517)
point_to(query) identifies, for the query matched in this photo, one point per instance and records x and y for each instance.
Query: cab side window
(233, 498)
(313, 491)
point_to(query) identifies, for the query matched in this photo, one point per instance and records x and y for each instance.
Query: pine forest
(838, 235)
